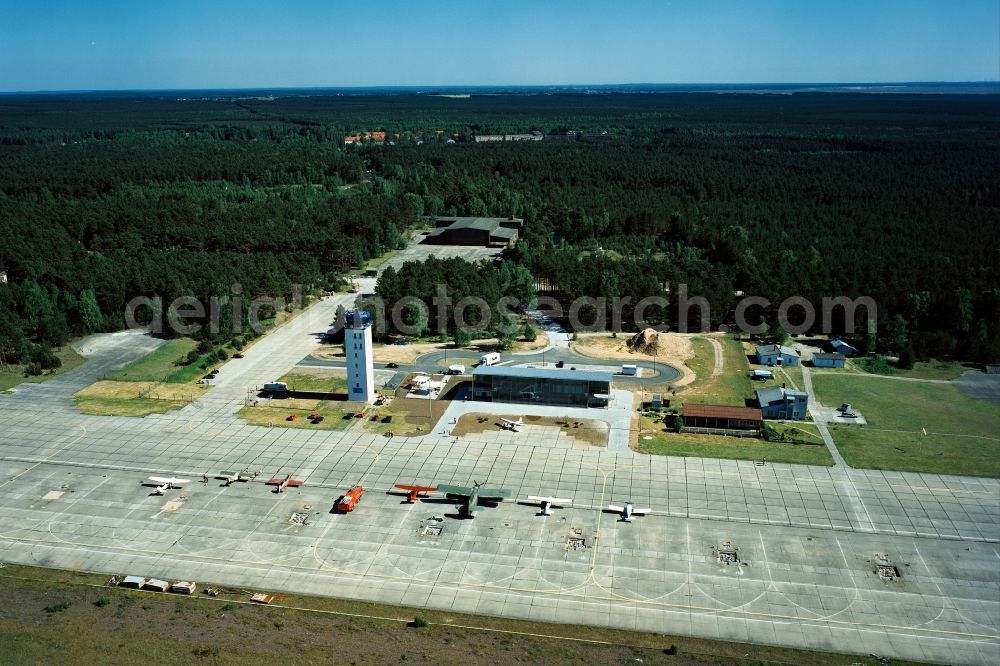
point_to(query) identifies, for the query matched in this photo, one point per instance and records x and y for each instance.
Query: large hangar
(541, 386)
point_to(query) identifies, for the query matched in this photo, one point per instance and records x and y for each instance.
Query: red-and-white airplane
(548, 502)
(282, 483)
(167, 483)
(415, 492)
(627, 511)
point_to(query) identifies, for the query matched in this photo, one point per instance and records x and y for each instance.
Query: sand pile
(652, 343)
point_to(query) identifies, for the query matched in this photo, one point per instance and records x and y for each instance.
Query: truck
(456, 370)
(630, 369)
(276, 388)
(489, 359)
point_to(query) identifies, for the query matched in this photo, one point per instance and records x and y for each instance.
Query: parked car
(237, 355)
(317, 420)
(392, 365)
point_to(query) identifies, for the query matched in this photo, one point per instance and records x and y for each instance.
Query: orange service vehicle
(350, 499)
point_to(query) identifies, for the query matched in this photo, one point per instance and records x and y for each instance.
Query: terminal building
(540, 386)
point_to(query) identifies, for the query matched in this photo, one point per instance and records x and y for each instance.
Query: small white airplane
(628, 511)
(508, 424)
(166, 483)
(549, 502)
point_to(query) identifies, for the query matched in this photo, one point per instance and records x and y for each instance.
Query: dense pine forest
(895, 197)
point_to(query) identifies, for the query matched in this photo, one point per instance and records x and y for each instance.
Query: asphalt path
(434, 362)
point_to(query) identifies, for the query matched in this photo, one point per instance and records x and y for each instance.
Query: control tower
(358, 350)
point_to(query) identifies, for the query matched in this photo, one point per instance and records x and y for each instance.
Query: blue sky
(61, 45)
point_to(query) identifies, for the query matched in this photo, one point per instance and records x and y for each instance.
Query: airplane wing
(226, 475)
(275, 481)
(457, 490)
(641, 511)
(490, 493)
(550, 499)
(416, 489)
(293, 483)
(168, 480)
(615, 507)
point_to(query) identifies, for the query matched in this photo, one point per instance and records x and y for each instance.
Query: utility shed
(834, 360)
(541, 386)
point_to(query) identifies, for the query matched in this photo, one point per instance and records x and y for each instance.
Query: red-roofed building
(723, 419)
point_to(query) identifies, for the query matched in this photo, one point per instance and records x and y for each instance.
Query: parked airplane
(473, 495)
(627, 511)
(512, 425)
(230, 477)
(166, 483)
(548, 502)
(282, 483)
(413, 492)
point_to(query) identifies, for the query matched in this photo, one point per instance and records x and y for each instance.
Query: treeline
(888, 196)
(454, 298)
(92, 223)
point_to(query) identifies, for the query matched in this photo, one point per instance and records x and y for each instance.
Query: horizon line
(493, 86)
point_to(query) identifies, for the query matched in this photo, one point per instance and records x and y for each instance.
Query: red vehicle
(350, 499)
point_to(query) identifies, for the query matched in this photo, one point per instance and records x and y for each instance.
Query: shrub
(420, 621)
(222, 355)
(102, 602)
(57, 608)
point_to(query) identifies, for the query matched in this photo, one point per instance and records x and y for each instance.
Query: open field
(319, 380)
(732, 386)
(160, 365)
(665, 442)
(961, 431)
(135, 398)
(932, 369)
(15, 375)
(588, 432)
(333, 415)
(410, 416)
(54, 613)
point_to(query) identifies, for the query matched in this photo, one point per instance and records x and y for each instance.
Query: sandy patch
(581, 432)
(107, 388)
(674, 349)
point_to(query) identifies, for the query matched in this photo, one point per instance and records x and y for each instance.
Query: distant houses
(777, 355)
(833, 360)
(531, 136)
(777, 402)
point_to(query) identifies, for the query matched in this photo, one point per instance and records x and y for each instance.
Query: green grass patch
(126, 406)
(315, 382)
(734, 448)
(159, 365)
(144, 628)
(732, 387)
(961, 431)
(9, 378)
(277, 417)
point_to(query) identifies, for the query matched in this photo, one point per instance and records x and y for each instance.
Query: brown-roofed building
(719, 418)
(377, 136)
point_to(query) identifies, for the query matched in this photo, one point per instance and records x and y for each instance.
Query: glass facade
(583, 390)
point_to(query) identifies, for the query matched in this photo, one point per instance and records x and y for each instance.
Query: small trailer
(489, 359)
(135, 582)
(183, 587)
(156, 584)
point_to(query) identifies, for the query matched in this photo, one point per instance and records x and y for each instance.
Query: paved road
(70, 497)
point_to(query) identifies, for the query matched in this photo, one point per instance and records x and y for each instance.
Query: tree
(462, 337)
(90, 312)
(529, 332)
(899, 335)
(907, 357)
(779, 335)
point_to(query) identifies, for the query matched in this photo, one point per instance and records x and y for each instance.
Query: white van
(489, 359)
(629, 369)
(456, 370)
